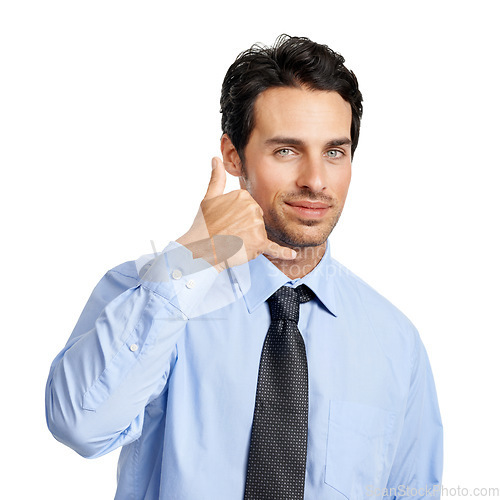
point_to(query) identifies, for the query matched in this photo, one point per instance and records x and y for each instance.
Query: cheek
(340, 183)
(266, 187)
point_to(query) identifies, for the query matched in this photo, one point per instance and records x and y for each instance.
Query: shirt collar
(262, 279)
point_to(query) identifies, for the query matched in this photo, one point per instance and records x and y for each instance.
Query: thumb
(217, 180)
(278, 252)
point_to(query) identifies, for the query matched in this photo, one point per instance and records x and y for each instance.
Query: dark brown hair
(290, 62)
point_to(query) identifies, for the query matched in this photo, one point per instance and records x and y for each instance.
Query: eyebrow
(290, 141)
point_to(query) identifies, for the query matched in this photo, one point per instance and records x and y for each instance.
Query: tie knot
(284, 303)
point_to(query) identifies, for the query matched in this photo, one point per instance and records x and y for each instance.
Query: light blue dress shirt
(164, 362)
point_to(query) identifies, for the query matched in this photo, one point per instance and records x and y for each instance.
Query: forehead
(291, 111)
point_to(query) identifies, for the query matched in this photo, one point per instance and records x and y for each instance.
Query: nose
(312, 174)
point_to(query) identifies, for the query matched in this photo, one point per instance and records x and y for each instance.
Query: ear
(230, 157)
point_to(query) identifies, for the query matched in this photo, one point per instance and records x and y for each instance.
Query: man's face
(298, 163)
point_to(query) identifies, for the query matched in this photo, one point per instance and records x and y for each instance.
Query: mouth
(309, 209)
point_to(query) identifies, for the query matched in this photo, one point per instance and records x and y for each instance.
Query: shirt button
(134, 347)
(176, 274)
(190, 284)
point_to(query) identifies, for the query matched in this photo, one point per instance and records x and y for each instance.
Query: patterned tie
(278, 446)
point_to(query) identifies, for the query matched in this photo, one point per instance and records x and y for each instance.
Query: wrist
(200, 248)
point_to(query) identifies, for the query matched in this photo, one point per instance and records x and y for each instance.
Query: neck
(307, 259)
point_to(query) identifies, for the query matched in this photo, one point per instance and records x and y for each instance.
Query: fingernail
(214, 163)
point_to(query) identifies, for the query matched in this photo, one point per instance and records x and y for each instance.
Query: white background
(109, 118)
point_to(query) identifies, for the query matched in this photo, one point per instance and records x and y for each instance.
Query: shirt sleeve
(417, 468)
(122, 350)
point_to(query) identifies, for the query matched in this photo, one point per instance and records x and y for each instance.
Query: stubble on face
(295, 233)
(287, 161)
(282, 231)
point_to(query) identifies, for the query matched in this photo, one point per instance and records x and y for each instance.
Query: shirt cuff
(184, 281)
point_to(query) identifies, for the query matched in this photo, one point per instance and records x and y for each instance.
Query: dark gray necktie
(278, 446)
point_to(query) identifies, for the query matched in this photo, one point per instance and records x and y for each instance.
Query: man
(243, 361)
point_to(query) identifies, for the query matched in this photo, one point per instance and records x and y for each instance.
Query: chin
(304, 242)
(304, 233)
(297, 239)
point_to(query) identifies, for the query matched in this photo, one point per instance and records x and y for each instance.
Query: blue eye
(284, 152)
(334, 153)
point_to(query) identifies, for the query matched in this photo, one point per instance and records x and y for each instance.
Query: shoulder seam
(115, 270)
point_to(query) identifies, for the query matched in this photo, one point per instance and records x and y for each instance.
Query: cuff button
(176, 274)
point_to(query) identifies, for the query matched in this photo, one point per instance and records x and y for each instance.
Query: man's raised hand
(229, 229)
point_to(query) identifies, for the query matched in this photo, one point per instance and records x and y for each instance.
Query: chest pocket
(357, 448)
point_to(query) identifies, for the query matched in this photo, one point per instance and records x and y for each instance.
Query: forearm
(121, 352)
(99, 385)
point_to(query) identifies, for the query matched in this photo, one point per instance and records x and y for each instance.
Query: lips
(308, 204)
(309, 209)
